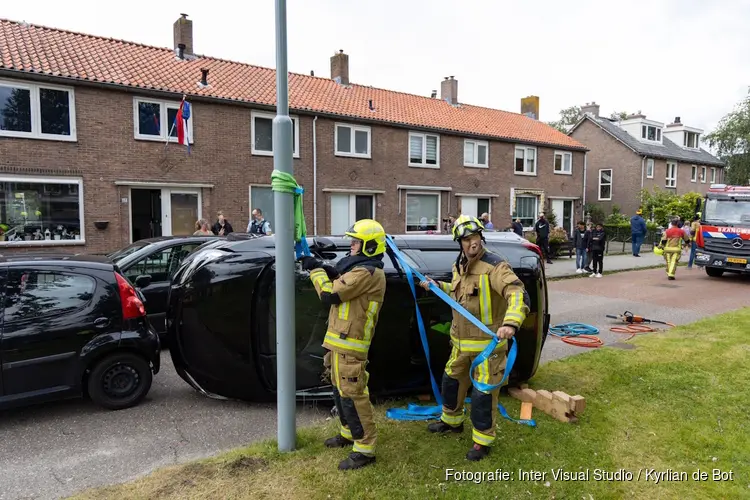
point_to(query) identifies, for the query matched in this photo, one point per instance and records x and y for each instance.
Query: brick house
(89, 155)
(629, 155)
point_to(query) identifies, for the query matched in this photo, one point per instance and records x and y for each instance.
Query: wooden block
(578, 403)
(561, 407)
(522, 394)
(524, 386)
(561, 396)
(543, 401)
(424, 397)
(526, 408)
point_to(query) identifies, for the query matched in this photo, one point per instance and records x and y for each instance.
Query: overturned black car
(221, 321)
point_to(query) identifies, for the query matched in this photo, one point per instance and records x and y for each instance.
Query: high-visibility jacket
(695, 226)
(355, 298)
(487, 287)
(672, 239)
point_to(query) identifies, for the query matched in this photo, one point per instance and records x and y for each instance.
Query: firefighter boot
(338, 441)
(356, 460)
(478, 452)
(441, 426)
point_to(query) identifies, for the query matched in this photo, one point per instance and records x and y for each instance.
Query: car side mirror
(143, 280)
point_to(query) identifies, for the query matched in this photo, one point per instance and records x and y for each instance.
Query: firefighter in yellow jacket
(486, 286)
(671, 247)
(355, 290)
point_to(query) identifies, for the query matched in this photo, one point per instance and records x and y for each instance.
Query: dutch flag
(181, 122)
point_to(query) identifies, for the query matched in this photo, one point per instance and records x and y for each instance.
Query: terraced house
(89, 155)
(636, 153)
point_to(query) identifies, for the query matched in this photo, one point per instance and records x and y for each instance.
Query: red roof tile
(49, 51)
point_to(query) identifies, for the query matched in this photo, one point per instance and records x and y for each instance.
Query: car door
(160, 265)
(3, 274)
(50, 315)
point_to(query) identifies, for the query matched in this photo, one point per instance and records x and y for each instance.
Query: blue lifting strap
(418, 412)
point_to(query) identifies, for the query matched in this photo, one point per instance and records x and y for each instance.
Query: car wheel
(120, 381)
(714, 272)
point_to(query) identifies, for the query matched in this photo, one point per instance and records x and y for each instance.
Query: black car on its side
(221, 321)
(72, 325)
(150, 263)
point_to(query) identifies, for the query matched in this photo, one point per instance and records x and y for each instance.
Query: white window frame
(263, 114)
(36, 112)
(713, 175)
(424, 136)
(352, 129)
(525, 150)
(657, 133)
(703, 175)
(78, 181)
(694, 173)
(697, 140)
(650, 168)
(478, 197)
(476, 145)
(554, 162)
(406, 209)
(611, 183)
(537, 200)
(352, 205)
(164, 106)
(671, 181)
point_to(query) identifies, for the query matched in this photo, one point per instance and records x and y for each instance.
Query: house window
(605, 184)
(671, 176)
(262, 197)
(41, 210)
(37, 111)
(694, 174)
(527, 209)
(650, 168)
(703, 175)
(346, 209)
(352, 140)
(424, 150)
(691, 140)
(475, 154)
(261, 125)
(525, 160)
(157, 119)
(563, 162)
(422, 212)
(651, 133)
(713, 175)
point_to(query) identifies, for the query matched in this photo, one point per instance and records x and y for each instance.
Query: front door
(563, 210)
(164, 212)
(346, 209)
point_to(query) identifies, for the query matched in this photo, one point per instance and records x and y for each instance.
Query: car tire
(120, 381)
(714, 272)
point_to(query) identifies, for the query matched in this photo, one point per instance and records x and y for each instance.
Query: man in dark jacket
(517, 227)
(597, 245)
(541, 228)
(222, 227)
(581, 242)
(638, 232)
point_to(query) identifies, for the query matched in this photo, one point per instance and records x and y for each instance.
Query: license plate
(735, 260)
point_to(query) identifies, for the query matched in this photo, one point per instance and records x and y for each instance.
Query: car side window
(387, 261)
(438, 260)
(179, 254)
(156, 265)
(33, 294)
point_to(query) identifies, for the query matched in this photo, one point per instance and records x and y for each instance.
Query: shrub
(558, 235)
(596, 213)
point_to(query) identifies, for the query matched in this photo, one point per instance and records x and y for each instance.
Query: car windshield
(728, 211)
(120, 254)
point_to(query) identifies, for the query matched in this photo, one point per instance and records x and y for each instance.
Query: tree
(619, 115)
(568, 117)
(731, 139)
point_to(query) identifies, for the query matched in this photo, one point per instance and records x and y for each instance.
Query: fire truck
(723, 240)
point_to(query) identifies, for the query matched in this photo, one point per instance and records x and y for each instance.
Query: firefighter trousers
(349, 378)
(672, 257)
(455, 386)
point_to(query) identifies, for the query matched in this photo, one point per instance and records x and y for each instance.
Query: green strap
(285, 183)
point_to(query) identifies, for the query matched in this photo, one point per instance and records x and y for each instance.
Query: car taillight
(534, 248)
(132, 307)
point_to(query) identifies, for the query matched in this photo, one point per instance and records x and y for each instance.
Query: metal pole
(283, 204)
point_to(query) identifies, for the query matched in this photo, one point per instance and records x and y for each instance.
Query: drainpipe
(585, 167)
(643, 170)
(315, 181)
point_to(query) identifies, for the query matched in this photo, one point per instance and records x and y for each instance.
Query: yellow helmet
(658, 251)
(466, 225)
(371, 234)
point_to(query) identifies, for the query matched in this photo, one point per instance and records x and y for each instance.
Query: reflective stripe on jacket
(488, 288)
(351, 323)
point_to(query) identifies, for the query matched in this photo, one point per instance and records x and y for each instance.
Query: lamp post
(283, 204)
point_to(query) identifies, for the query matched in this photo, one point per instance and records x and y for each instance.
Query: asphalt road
(54, 450)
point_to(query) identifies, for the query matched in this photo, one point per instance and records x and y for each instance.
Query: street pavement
(54, 450)
(566, 266)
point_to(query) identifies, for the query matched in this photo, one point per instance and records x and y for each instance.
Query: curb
(606, 273)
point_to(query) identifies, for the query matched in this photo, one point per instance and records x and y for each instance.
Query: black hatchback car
(221, 321)
(72, 325)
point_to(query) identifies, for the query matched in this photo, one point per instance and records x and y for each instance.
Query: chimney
(204, 76)
(340, 68)
(183, 35)
(592, 109)
(434, 94)
(530, 107)
(449, 90)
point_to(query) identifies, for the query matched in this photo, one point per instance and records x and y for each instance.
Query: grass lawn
(677, 402)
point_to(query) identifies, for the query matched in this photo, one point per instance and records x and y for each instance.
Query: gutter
(315, 180)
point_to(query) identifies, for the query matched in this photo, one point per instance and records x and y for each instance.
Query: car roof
(62, 259)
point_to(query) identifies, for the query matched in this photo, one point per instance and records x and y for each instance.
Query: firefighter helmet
(658, 250)
(466, 225)
(371, 234)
